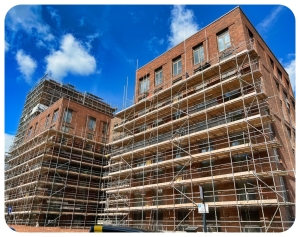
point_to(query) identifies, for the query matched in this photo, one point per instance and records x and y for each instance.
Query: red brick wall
(238, 25)
(80, 118)
(278, 109)
(207, 36)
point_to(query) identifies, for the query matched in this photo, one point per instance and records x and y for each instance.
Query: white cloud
(153, 42)
(183, 25)
(8, 141)
(26, 64)
(49, 37)
(81, 21)
(290, 67)
(269, 20)
(7, 46)
(40, 43)
(55, 17)
(71, 58)
(27, 18)
(90, 40)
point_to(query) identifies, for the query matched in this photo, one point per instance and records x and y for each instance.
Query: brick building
(54, 168)
(213, 116)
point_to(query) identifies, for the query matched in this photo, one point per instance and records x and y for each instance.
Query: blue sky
(97, 47)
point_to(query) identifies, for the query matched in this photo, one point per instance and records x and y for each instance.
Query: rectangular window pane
(144, 85)
(68, 116)
(198, 55)
(92, 123)
(65, 129)
(47, 120)
(221, 45)
(158, 77)
(55, 114)
(29, 132)
(224, 41)
(105, 127)
(227, 39)
(177, 66)
(175, 69)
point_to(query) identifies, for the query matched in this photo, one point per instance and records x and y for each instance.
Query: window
(178, 152)
(55, 114)
(89, 146)
(157, 122)
(177, 67)
(210, 192)
(157, 158)
(250, 34)
(287, 83)
(272, 64)
(224, 41)
(233, 116)
(250, 218)
(105, 126)
(178, 114)
(142, 128)
(205, 146)
(289, 132)
(180, 197)
(198, 55)
(144, 84)
(92, 123)
(246, 190)
(158, 197)
(35, 127)
(47, 120)
(293, 103)
(181, 214)
(68, 115)
(65, 129)
(90, 136)
(240, 157)
(29, 132)
(158, 218)
(238, 139)
(231, 95)
(287, 103)
(158, 77)
(212, 224)
(138, 200)
(277, 85)
(279, 73)
(140, 164)
(138, 215)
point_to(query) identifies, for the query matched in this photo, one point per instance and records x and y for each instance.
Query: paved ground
(24, 228)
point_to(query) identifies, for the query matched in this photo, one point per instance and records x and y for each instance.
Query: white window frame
(105, 127)
(199, 51)
(65, 129)
(222, 39)
(178, 69)
(158, 77)
(92, 123)
(47, 120)
(55, 115)
(68, 116)
(29, 132)
(144, 85)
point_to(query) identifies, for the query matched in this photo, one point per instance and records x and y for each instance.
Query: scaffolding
(209, 127)
(54, 176)
(46, 93)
